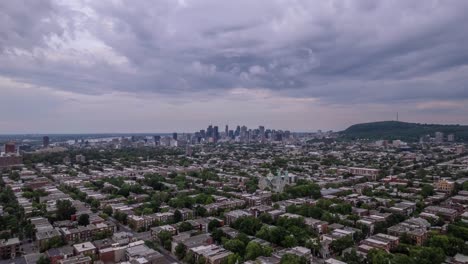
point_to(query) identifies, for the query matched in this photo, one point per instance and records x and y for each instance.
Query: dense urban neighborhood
(236, 196)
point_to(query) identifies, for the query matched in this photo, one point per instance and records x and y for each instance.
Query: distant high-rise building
(226, 131)
(174, 136)
(80, 158)
(439, 137)
(261, 131)
(156, 140)
(243, 132)
(10, 147)
(215, 133)
(209, 131)
(45, 141)
(450, 137)
(237, 133)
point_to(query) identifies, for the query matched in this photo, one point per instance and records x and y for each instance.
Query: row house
(86, 233)
(57, 254)
(77, 260)
(254, 199)
(190, 241)
(164, 228)
(227, 204)
(232, 216)
(461, 199)
(186, 213)
(318, 226)
(212, 254)
(445, 185)
(298, 201)
(201, 224)
(380, 241)
(403, 208)
(9, 248)
(256, 211)
(415, 228)
(44, 231)
(143, 222)
(447, 213)
(370, 173)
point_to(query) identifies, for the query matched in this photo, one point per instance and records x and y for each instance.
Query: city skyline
(232, 127)
(105, 67)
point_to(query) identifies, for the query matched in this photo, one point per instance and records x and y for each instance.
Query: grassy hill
(401, 130)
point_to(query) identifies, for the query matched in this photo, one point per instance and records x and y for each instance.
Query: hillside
(401, 130)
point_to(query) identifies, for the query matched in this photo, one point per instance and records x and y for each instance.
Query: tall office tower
(202, 133)
(209, 131)
(237, 132)
(10, 147)
(231, 134)
(439, 137)
(226, 131)
(279, 137)
(450, 137)
(45, 141)
(215, 133)
(261, 132)
(174, 135)
(243, 132)
(156, 140)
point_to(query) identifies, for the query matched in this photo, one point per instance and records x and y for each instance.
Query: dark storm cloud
(27, 24)
(337, 51)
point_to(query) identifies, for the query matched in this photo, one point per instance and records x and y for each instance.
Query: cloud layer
(295, 64)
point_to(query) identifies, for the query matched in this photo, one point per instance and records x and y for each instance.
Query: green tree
(235, 246)
(217, 235)
(249, 225)
(341, 244)
(180, 251)
(465, 186)
(289, 242)
(165, 238)
(266, 218)
(43, 260)
(450, 245)
(121, 217)
(378, 256)
(353, 258)
(427, 190)
(213, 224)
(65, 210)
(314, 245)
(185, 226)
(177, 216)
(83, 220)
(292, 259)
(107, 210)
(200, 211)
(233, 259)
(253, 250)
(427, 255)
(189, 258)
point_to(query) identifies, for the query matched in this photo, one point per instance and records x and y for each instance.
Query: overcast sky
(179, 65)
